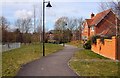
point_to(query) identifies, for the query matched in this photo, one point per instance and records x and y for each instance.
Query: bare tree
(39, 28)
(39, 33)
(24, 25)
(80, 27)
(71, 27)
(34, 18)
(107, 5)
(62, 21)
(0, 33)
(60, 28)
(75, 25)
(4, 25)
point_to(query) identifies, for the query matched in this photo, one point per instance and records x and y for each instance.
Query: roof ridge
(105, 11)
(99, 16)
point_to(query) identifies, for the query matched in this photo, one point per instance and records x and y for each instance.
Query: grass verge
(76, 43)
(13, 60)
(87, 63)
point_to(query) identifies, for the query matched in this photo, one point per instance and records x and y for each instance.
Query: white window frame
(92, 28)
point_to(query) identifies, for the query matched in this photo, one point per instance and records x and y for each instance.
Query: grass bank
(76, 43)
(13, 60)
(87, 63)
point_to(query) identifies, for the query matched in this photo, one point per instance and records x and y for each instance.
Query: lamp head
(48, 5)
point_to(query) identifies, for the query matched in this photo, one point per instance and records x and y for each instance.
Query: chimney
(92, 15)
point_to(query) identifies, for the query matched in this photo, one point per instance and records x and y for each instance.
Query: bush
(94, 39)
(87, 45)
(103, 38)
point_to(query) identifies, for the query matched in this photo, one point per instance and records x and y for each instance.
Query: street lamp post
(63, 34)
(48, 5)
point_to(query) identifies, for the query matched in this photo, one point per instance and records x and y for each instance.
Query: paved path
(55, 64)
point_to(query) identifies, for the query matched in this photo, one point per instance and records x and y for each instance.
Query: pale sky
(14, 9)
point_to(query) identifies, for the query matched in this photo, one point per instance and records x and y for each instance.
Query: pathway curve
(55, 64)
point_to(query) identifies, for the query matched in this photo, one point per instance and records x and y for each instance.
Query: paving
(55, 64)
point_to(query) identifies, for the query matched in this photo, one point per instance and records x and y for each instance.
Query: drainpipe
(116, 36)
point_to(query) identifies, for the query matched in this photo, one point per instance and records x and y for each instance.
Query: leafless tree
(107, 5)
(0, 33)
(4, 25)
(34, 12)
(24, 25)
(80, 28)
(60, 28)
(75, 25)
(71, 26)
(39, 32)
(62, 21)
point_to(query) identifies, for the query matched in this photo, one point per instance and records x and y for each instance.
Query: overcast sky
(14, 9)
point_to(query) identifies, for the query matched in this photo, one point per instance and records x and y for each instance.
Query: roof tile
(96, 19)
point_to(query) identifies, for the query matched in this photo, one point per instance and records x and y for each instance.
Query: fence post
(114, 42)
(98, 45)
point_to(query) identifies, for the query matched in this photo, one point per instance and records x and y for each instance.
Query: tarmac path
(55, 64)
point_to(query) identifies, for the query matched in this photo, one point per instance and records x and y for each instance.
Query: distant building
(51, 34)
(54, 36)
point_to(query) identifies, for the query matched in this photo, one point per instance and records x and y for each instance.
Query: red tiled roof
(89, 21)
(96, 19)
(100, 16)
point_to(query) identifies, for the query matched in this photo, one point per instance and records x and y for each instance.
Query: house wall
(118, 23)
(86, 31)
(119, 40)
(108, 49)
(107, 22)
(92, 32)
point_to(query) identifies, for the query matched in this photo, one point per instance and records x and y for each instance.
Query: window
(92, 28)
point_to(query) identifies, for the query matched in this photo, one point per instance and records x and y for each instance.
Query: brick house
(103, 23)
(54, 36)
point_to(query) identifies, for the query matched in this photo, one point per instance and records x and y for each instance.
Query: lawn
(75, 43)
(87, 63)
(13, 60)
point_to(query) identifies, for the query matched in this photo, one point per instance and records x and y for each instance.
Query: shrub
(87, 45)
(103, 38)
(94, 39)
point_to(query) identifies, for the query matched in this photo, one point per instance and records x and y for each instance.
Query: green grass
(0, 63)
(87, 63)
(13, 60)
(76, 43)
(87, 54)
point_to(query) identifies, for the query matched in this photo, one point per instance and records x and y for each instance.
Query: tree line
(67, 29)
(21, 34)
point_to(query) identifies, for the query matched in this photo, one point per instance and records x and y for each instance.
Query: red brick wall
(92, 33)
(108, 49)
(86, 30)
(119, 40)
(118, 23)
